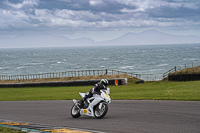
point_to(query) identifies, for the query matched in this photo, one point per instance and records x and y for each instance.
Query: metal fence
(171, 71)
(64, 74)
(145, 77)
(151, 77)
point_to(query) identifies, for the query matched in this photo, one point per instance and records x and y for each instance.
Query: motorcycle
(95, 106)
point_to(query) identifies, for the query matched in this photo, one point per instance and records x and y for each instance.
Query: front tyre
(100, 113)
(75, 112)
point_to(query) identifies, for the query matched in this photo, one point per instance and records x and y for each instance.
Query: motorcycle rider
(97, 87)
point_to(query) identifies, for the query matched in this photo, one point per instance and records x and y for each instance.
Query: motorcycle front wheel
(100, 113)
(75, 112)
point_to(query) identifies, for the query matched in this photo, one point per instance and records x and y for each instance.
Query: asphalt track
(124, 116)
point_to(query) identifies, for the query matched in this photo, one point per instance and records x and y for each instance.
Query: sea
(138, 59)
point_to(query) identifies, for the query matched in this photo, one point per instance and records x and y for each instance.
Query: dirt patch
(66, 79)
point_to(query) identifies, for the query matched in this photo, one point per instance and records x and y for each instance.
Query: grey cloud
(108, 6)
(178, 13)
(18, 4)
(101, 14)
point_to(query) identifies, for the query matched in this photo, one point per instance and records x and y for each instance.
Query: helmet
(104, 82)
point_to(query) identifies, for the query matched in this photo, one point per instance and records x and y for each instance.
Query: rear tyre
(75, 112)
(100, 113)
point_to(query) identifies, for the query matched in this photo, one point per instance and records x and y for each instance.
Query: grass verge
(9, 130)
(162, 90)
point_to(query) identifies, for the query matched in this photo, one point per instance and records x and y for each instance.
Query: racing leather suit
(97, 87)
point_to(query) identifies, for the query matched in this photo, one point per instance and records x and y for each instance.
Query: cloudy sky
(98, 19)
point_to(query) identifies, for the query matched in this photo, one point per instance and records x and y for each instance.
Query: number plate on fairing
(85, 111)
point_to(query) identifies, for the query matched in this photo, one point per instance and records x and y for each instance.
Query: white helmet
(104, 82)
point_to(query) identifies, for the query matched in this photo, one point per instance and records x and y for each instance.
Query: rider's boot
(81, 103)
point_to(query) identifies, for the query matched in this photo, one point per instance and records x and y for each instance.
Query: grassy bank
(162, 90)
(9, 130)
(193, 70)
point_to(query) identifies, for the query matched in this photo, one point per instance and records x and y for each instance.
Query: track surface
(127, 116)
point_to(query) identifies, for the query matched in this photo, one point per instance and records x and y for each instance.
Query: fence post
(106, 72)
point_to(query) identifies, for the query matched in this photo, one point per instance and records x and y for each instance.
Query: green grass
(162, 90)
(41, 93)
(188, 91)
(9, 130)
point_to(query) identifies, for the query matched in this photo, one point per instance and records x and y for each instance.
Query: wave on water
(127, 67)
(32, 64)
(4, 68)
(192, 59)
(19, 68)
(60, 62)
(160, 65)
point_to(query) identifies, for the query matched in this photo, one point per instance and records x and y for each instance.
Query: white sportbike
(96, 106)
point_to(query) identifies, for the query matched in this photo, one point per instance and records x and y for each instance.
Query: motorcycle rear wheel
(75, 112)
(100, 113)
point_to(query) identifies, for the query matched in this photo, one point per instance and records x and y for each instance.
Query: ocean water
(145, 59)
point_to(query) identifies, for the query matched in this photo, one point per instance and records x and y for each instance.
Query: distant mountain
(143, 38)
(43, 40)
(151, 37)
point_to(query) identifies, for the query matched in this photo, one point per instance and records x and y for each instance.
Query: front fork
(100, 105)
(76, 104)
